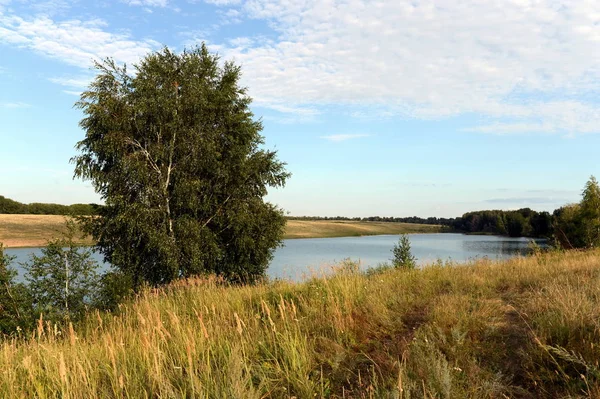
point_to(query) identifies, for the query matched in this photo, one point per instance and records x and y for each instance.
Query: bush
(114, 288)
(15, 301)
(63, 279)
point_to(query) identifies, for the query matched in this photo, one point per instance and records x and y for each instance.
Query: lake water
(303, 257)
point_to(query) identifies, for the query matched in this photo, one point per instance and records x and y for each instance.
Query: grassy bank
(342, 228)
(36, 230)
(522, 328)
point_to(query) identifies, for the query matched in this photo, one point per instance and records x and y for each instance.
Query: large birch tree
(177, 156)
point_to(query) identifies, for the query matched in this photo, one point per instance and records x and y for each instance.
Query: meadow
(36, 230)
(526, 327)
(343, 228)
(32, 230)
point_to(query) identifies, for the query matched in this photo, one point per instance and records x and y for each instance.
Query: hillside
(36, 230)
(337, 228)
(528, 327)
(31, 230)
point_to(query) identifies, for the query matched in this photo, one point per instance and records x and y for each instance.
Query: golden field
(343, 228)
(31, 230)
(36, 230)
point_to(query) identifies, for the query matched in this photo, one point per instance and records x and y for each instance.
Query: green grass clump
(527, 327)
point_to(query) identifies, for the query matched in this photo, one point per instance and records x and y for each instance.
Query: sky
(390, 108)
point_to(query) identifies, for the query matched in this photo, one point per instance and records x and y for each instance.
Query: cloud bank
(516, 65)
(523, 66)
(73, 42)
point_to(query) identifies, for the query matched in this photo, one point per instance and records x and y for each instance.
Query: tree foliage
(403, 257)
(520, 223)
(62, 281)
(578, 225)
(176, 155)
(15, 303)
(9, 206)
(590, 213)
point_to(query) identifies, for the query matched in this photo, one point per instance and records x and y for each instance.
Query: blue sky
(428, 108)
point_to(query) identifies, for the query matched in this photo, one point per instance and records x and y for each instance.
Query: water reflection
(304, 257)
(317, 255)
(510, 247)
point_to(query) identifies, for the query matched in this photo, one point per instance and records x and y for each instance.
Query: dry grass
(36, 230)
(31, 230)
(525, 328)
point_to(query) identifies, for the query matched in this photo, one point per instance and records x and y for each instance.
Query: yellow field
(329, 228)
(31, 230)
(35, 230)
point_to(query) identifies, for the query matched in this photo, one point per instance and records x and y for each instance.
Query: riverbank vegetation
(527, 327)
(386, 219)
(523, 222)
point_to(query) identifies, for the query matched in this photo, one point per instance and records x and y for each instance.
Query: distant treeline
(410, 219)
(13, 207)
(520, 223)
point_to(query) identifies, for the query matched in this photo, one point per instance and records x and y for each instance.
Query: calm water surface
(303, 257)
(299, 258)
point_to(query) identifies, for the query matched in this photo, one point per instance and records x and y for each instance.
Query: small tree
(63, 279)
(590, 213)
(578, 225)
(402, 255)
(15, 303)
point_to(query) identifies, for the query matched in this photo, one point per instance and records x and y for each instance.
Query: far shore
(22, 231)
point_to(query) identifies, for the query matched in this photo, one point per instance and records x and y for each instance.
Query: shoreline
(32, 231)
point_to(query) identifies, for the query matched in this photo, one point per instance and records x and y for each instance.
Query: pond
(302, 257)
(299, 258)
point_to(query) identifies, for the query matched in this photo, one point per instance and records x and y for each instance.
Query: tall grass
(528, 327)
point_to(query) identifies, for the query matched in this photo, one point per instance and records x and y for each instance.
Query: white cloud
(336, 138)
(51, 7)
(72, 92)
(222, 2)
(432, 59)
(74, 42)
(147, 3)
(74, 85)
(569, 117)
(79, 82)
(523, 66)
(231, 16)
(4, 3)
(287, 109)
(17, 104)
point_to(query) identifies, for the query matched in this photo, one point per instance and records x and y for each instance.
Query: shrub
(403, 258)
